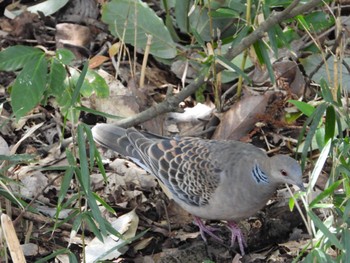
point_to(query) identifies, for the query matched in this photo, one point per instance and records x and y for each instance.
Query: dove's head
(285, 169)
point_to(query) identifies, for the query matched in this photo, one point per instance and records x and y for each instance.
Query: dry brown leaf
(97, 61)
(73, 37)
(178, 215)
(72, 34)
(289, 72)
(241, 118)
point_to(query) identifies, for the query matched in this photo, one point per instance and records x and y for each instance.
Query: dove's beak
(301, 186)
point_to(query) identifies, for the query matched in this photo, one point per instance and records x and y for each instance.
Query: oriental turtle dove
(211, 179)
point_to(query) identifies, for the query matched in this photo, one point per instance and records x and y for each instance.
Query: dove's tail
(113, 137)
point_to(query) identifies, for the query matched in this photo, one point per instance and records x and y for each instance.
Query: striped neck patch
(258, 175)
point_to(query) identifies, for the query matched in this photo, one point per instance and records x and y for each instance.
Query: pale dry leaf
(183, 236)
(237, 258)
(126, 225)
(51, 212)
(189, 122)
(33, 184)
(55, 157)
(183, 70)
(131, 173)
(259, 257)
(145, 259)
(32, 250)
(241, 117)
(142, 244)
(260, 76)
(27, 134)
(12, 239)
(63, 258)
(120, 102)
(294, 247)
(4, 148)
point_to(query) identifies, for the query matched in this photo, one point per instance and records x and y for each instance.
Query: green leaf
(224, 13)
(128, 19)
(169, 22)
(72, 258)
(16, 57)
(346, 242)
(320, 256)
(65, 184)
(263, 56)
(79, 84)
(84, 178)
(94, 83)
(198, 37)
(181, 15)
(302, 23)
(330, 124)
(319, 224)
(273, 39)
(326, 91)
(318, 21)
(84, 168)
(319, 136)
(104, 203)
(327, 192)
(315, 120)
(92, 226)
(232, 67)
(56, 79)
(291, 204)
(53, 255)
(29, 86)
(65, 56)
(47, 7)
(272, 32)
(99, 113)
(304, 107)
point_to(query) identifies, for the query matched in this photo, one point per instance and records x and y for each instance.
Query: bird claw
(206, 230)
(236, 234)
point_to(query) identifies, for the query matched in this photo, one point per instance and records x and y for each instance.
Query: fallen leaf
(125, 225)
(11, 238)
(241, 117)
(97, 61)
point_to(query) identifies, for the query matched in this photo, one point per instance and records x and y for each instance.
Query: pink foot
(236, 233)
(206, 229)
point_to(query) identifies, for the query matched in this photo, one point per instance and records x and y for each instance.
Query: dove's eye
(283, 172)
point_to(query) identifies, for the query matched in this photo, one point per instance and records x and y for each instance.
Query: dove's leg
(206, 229)
(236, 233)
